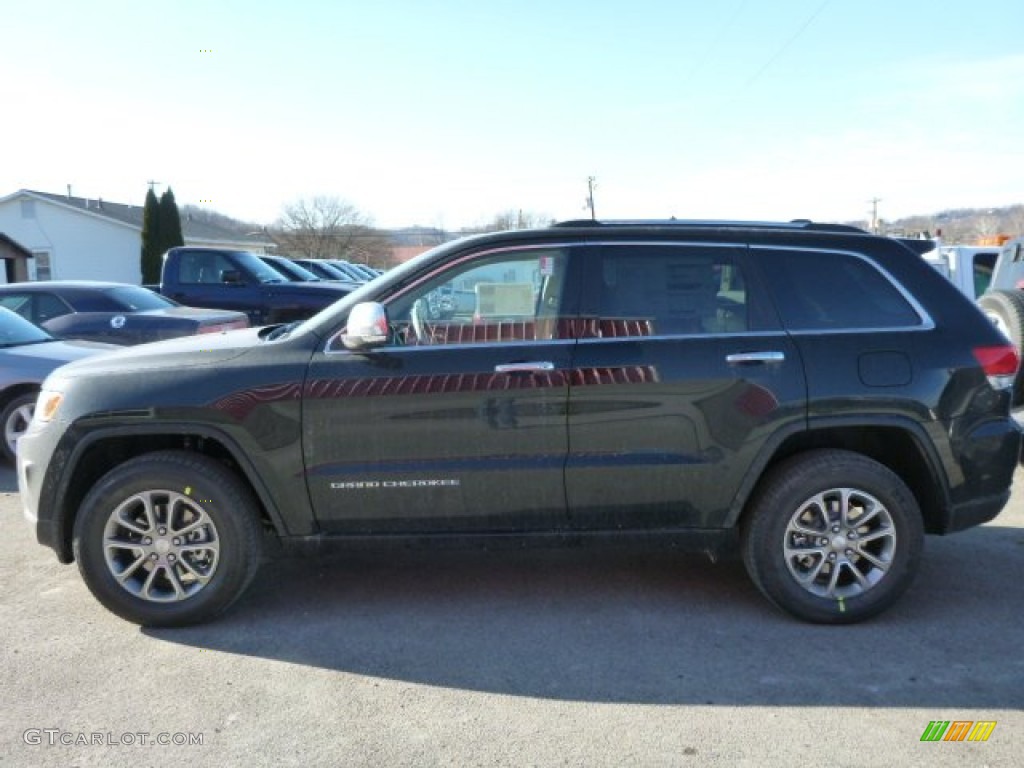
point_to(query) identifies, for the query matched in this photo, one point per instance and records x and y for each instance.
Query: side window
(18, 302)
(48, 307)
(665, 290)
(984, 263)
(202, 267)
(43, 265)
(503, 297)
(827, 291)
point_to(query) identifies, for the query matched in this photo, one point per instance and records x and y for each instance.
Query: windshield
(334, 272)
(257, 267)
(124, 298)
(330, 319)
(292, 270)
(16, 330)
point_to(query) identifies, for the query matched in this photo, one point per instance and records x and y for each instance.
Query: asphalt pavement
(512, 658)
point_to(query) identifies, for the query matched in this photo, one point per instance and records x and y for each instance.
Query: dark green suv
(817, 396)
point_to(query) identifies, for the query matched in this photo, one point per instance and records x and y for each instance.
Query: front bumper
(40, 462)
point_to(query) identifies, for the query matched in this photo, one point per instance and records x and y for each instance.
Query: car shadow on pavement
(621, 626)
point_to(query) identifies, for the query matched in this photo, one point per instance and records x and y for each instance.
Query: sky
(446, 113)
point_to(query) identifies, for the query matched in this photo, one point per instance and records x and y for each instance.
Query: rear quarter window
(824, 290)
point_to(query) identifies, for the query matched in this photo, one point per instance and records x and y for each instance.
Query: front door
(459, 422)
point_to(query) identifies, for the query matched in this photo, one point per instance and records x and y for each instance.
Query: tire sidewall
(789, 488)
(221, 497)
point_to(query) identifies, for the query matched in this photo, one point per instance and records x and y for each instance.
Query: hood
(187, 352)
(33, 362)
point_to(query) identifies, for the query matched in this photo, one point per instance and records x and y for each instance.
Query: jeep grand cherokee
(815, 395)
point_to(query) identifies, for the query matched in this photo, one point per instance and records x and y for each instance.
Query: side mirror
(367, 326)
(231, 277)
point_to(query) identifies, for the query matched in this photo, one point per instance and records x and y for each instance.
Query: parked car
(814, 396)
(329, 271)
(355, 271)
(117, 313)
(225, 278)
(27, 355)
(366, 269)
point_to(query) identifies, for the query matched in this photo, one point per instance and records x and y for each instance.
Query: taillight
(999, 363)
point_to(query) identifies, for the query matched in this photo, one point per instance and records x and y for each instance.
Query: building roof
(14, 246)
(131, 215)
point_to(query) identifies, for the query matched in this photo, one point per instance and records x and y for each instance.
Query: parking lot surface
(537, 657)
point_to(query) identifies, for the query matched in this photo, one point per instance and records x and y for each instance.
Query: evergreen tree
(150, 261)
(170, 222)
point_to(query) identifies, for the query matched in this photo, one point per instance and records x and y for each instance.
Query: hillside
(961, 226)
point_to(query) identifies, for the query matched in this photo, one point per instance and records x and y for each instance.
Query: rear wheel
(168, 539)
(832, 537)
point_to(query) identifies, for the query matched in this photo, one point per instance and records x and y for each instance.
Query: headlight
(47, 404)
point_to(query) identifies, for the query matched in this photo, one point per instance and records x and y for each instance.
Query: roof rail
(804, 224)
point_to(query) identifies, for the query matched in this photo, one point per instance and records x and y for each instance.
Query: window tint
(48, 307)
(824, 290)
(668, 290)
(511, 296)
(206, 267)
(16, 302)
(203, 267)
(984, 264)
(131, 298)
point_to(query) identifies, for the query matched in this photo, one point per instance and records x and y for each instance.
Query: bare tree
(517, 219)
(328, 227)
(986, 225)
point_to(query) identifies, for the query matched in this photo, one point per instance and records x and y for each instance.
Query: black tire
(14, 420)
(1006, 311)
(788, 510)
(168, 580)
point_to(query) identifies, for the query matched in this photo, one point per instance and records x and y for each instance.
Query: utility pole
(874, 213)
(152, 185)
(590, 197)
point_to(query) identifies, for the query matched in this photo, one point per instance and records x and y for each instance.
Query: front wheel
(168, 539)
(15, 418)
(832, 537)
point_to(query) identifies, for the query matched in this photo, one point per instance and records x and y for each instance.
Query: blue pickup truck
(240, 280)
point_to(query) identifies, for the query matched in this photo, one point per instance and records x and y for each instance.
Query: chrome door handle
(756, 357)
(532, 367)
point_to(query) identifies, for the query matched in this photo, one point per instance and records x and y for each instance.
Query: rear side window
(664, 289)
(822, 290)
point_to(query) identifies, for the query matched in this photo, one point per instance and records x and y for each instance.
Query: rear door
(681, 375)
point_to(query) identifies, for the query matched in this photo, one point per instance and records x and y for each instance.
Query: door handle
(531, 367)
(755, 357)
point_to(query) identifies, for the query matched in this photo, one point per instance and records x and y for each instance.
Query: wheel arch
(17, 390)
(898, 444)
(98, 452)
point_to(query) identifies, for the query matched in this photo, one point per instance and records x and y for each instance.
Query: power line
(788, 43)
(714, 46)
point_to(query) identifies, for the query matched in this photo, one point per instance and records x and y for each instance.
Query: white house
(77, 238)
